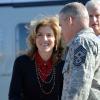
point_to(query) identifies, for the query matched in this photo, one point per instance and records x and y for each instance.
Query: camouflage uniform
(82, 67)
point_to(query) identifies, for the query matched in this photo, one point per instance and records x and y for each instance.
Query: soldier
(81, 71)
(93, 8)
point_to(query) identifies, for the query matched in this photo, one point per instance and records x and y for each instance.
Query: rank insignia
(79, 56)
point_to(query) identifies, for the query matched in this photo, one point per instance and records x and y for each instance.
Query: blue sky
(10, 1)
(13, 1)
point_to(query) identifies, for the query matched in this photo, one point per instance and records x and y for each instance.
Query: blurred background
(14, 17)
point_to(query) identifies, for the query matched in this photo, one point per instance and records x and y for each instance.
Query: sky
(14, 1)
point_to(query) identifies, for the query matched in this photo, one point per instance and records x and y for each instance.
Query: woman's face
(45, 39)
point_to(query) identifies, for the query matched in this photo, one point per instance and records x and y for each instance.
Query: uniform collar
(85, 30)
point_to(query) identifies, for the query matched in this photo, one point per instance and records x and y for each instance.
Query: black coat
(24, 83)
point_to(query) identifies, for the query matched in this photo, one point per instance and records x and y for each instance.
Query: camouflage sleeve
(81, 62)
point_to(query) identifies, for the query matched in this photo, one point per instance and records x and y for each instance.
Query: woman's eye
(42, 35)
(49, 35)
(38, 35)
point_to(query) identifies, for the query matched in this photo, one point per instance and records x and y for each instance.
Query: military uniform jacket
(81, 71)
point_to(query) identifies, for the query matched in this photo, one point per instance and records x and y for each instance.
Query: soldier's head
(73, 17)
(93, 8)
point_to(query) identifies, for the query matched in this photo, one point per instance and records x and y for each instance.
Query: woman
(37, 75)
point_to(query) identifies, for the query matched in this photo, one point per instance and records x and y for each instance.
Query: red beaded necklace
(44, 67)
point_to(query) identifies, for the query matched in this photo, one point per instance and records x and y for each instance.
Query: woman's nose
(45, 37)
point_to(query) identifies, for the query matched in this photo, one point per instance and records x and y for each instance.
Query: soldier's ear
(70, 20)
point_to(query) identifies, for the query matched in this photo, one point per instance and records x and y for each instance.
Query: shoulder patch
(79, 56)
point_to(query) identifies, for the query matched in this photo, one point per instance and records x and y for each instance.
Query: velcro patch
(79, 56)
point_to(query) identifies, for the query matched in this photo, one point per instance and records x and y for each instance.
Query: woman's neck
(45, 56)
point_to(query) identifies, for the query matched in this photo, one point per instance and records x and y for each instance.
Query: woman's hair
(53, 22)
